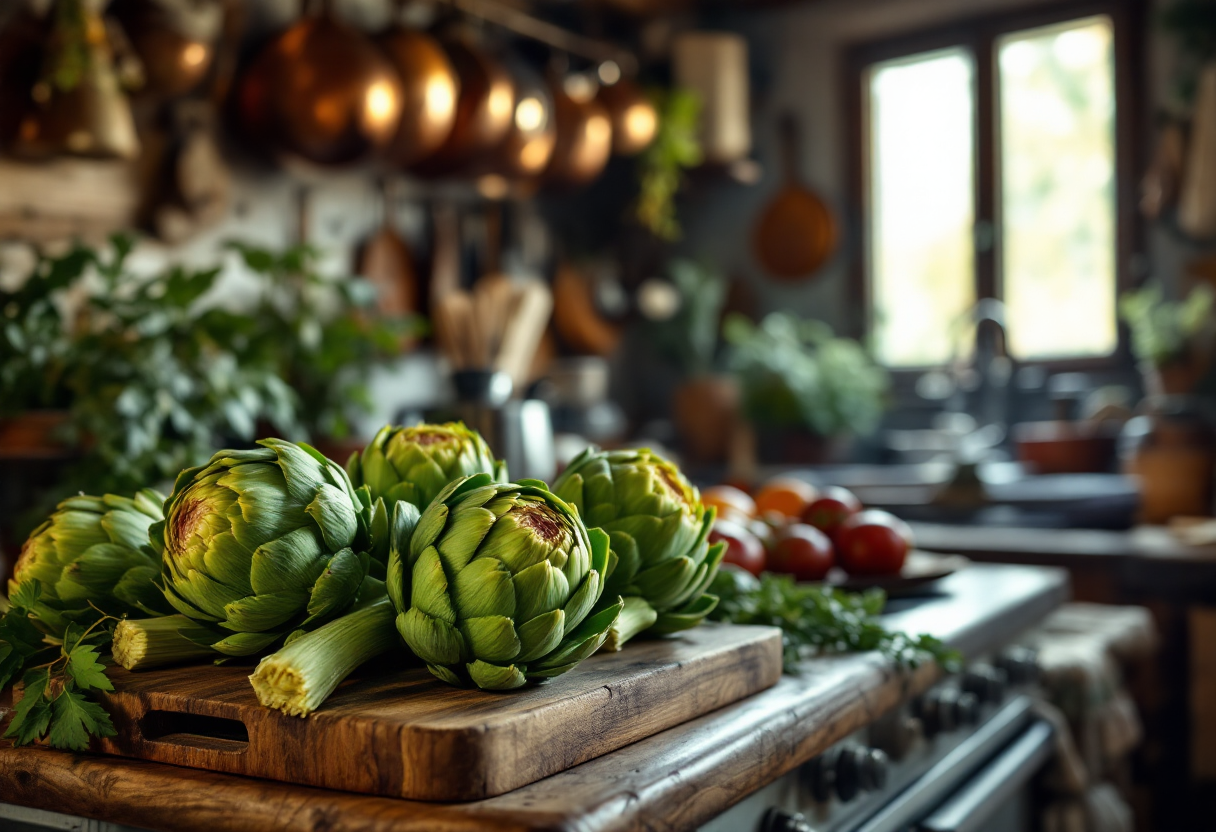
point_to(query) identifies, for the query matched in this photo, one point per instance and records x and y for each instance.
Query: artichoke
(91, 557)
(501, 581)
(258, 544)
(415, 463)
(659, 531)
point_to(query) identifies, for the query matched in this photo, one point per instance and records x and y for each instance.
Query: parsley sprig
(816, 619)
(56, 705)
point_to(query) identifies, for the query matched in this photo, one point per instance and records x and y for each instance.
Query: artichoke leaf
(541, 635)
(493, 677)
(492, 637)
(432, 640)
(293, 561)
(332, 511)
(337, 585)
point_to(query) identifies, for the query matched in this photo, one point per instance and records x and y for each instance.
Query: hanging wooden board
(405, 734)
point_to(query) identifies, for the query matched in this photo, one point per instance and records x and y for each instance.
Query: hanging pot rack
(525, 25)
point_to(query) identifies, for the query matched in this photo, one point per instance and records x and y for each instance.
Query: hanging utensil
(484, 106)
(174, 39)
(635, 122)
(79, 106)
(385, 261)
(797, 232)
(584, 134)
(429, 88)
(321, 92)
(532, 136)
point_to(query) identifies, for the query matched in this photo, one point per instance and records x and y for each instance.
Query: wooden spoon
(797, 232)
(385, 260)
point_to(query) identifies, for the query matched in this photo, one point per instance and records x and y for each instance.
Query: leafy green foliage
(674, 149)
(1167, 331)
(53, 705)
(796, 374)
(318, 335)
(816, 620)
(691, 337)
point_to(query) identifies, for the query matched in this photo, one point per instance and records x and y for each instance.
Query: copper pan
(174, 39)
(634, 118)
(526, 151)
(429, 88)
(584, 137)
(321, 92)
(484, 108)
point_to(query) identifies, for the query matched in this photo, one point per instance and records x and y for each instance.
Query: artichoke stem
(636, 616)
(153, 642)
(302, 675)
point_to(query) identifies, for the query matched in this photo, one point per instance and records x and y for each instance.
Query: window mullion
(987, 131)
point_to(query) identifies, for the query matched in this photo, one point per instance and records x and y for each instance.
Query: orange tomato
(786, 496)
(729, 500)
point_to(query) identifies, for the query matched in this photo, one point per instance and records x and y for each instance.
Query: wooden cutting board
(403, 733)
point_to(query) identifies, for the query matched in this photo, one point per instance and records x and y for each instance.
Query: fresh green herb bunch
(796, 374)
(415, 463)
(661, 172)
(54, 705)
(816, 620)
(499, 584)
(662, 559)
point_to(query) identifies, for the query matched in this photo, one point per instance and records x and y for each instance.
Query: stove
(959, 757)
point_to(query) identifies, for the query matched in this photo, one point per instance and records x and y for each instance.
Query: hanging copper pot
(484, 108)
(79, 106)
(429, 89)
(584, 135)
(635, 122)
(174, 39)
(321, 92)
(532, 137)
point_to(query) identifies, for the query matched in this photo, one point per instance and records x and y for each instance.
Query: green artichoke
(415, 463)
(260, 543)
(659, 531)
(501, 580)
(91, 557)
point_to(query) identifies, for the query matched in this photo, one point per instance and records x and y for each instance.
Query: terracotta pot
(1172, 451)
(706, 410)
(37, 433)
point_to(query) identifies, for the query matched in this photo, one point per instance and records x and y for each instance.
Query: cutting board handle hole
(195, 730)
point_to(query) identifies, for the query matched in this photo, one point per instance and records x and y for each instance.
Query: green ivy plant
(797, 374)
(691, 337)
(675, 148)
(1163, 331)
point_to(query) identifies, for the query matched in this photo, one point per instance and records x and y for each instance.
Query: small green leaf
(75, 720)
(86, 670)
(26, 595)
(33, 713)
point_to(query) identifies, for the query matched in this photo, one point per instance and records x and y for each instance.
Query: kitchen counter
(677, 779)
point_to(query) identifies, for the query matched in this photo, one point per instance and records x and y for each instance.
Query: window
(988, 167)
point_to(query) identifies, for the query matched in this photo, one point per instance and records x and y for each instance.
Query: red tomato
(743, 548)
(833, 506)
(802, 551)
(873, 542)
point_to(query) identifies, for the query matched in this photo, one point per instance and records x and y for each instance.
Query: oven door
(983, 784)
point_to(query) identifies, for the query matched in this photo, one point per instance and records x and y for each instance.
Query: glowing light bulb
(380, 102)
(529, 114)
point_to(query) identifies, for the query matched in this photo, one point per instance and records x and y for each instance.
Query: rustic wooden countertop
(675, 780)
(1149, 543)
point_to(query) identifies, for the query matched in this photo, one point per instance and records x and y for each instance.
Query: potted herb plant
(806, 392)
(1174, 341)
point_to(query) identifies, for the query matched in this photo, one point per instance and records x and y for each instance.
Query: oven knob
(966, 709)
(776, 820)
(938, 713)
(986, 682)
(821, 774)
(860, 770)
(895, 734)
(1021, 665)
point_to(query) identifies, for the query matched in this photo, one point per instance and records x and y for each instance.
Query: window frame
(979, 35)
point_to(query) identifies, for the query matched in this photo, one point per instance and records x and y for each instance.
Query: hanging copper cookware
(484, 107)
(634, 118)
(321, 92)
(429, 88)
(21, 40)
(532, 137)
(584, 135)
(79, 105)
(174, 39)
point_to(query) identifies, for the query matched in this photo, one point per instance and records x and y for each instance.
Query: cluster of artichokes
(420, 540)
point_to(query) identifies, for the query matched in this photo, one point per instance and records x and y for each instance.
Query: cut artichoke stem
(301, 676)
(636, 617)
(154, 642)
